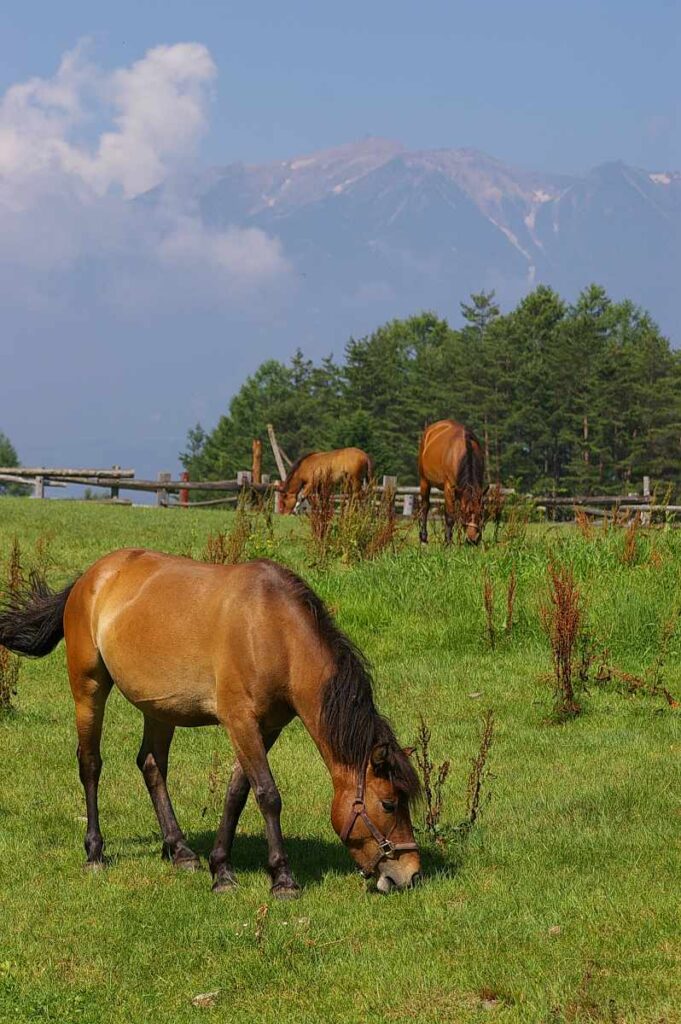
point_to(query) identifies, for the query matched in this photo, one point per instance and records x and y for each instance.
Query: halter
(386, 848)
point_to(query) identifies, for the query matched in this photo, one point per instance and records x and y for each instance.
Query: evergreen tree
(566, 399)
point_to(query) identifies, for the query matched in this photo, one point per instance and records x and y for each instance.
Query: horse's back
(442, 445)
(341, 462)
(168, 629)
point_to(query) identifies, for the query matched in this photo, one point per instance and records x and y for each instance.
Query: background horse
(450, 457)
(344, 465)
(246, 646)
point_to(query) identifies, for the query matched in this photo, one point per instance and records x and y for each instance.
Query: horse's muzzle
(386, 883)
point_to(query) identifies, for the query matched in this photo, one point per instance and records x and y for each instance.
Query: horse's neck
(310, 716)
(294, 482)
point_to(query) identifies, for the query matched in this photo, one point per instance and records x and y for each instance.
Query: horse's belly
(162, 685)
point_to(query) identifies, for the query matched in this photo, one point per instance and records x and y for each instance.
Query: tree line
(565, 398)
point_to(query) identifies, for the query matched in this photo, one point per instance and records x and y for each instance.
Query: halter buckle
(387, 848)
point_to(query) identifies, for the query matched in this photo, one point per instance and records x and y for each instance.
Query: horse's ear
(409, 751)
(380, 757)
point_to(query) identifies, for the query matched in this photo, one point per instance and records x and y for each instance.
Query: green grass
(562, 905)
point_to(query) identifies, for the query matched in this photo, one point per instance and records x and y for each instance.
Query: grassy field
(562, 905)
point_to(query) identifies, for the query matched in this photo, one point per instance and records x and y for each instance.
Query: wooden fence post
(114, 489)
(184, 492)
(39, 487)
(275, 451)
(243, 477)
(408, 509)
(256, 466)
(161, 493)
(646, 516)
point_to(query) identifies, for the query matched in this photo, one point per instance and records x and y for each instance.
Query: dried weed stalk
(584, 523)
(630, 545)
(322, 509)
(433, 777)
(227, 547)
(561, 617)
(510, 599)
(479, 774)
(488, 602)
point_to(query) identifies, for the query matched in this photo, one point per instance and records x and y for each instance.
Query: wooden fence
(176, 493)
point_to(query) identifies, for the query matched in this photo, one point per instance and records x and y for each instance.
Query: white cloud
(67, 185)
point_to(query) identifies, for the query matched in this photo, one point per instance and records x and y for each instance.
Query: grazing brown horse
(450, 457)
(246, 646)
(344, 465)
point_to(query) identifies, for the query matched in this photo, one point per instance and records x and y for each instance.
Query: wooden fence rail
(117, 479)
(67, 474)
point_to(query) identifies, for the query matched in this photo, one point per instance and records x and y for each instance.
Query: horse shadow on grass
(312, 860)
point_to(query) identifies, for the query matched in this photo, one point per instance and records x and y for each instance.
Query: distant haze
(137, 289)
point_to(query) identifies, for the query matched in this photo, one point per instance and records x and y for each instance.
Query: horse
(248, 647)
(450, 457)
(308, 473)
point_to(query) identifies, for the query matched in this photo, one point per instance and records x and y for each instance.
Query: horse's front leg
(220, 859)
(450, 512)
(251, 751)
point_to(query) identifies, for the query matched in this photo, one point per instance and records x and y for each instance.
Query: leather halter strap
(386, 848)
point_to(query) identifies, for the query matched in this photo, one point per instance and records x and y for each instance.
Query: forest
(565, 398)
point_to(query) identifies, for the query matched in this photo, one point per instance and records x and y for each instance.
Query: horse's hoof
(94, 865)
(286, 891)
(182, 857)
(226, 884)
(187, 863)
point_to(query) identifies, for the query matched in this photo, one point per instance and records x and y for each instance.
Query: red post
(184, 491)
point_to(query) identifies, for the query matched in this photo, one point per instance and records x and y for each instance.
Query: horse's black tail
(32, 620)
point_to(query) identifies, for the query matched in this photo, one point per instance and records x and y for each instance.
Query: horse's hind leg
(220, 859)
(152, 761)
(424, 492)
(90, 693)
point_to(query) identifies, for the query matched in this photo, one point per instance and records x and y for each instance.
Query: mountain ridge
(425, 224)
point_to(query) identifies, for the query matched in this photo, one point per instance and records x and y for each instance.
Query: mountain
(376, 230)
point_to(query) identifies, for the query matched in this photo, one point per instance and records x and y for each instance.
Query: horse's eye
(389, 806)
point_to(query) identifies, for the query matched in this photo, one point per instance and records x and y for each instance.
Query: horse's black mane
(295, 466)
(470, 475)
(352, 725)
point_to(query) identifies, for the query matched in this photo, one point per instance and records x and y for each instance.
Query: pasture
(560, 905)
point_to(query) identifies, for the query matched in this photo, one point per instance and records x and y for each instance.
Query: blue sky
(120, 327)
(552, 85)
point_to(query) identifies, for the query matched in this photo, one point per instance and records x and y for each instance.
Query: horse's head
(473, 514)
(370, 813)
(288, 499)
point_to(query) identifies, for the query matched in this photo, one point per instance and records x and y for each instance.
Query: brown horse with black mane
(450, 457)
(349, 466)
(246, 646)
